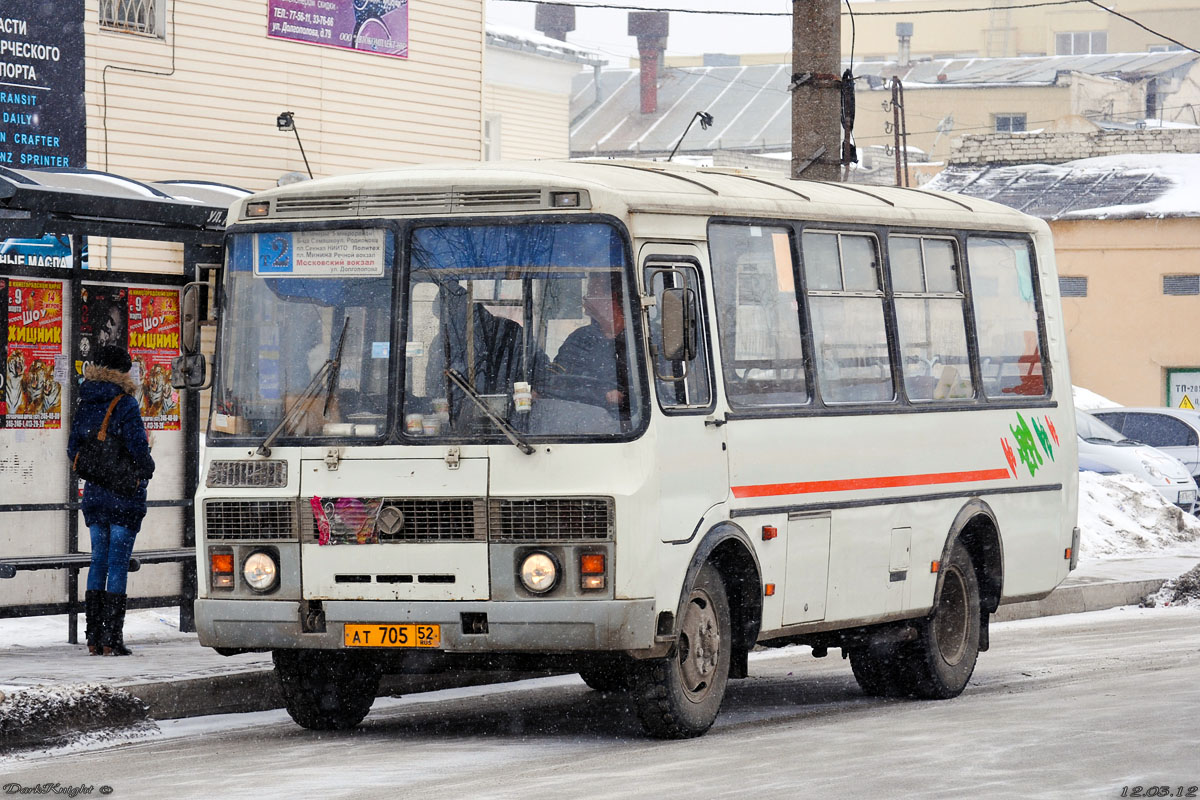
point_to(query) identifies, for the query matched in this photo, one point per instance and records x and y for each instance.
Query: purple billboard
(376, 26)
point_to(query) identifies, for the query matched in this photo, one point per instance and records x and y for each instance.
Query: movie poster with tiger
(34, 367)
(153, 343)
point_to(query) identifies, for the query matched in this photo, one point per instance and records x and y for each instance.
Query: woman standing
(113, 519)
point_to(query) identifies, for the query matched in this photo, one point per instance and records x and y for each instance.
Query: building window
(1010, 123)
(1069, 286)
(1080, 43)
(1164, 48)
(133, 16)
(491, 137)
(1181, 284)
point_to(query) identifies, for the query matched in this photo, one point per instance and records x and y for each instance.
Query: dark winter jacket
(98, 390)
(585, 368)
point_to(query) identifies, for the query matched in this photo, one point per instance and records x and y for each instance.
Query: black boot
(113, 637)
(93, 607)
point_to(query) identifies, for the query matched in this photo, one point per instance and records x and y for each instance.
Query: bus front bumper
(560, 626)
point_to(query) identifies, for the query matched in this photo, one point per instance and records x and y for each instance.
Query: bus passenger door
(691, 451)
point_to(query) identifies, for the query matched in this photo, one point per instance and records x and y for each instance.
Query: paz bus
(628, 419)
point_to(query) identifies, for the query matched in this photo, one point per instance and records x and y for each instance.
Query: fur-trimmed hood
(122, 380)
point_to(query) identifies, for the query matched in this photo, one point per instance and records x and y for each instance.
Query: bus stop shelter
(59, 310)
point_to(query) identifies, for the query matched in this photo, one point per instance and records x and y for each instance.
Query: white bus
(631, 420)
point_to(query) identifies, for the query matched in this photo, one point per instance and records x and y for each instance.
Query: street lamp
(286, 121)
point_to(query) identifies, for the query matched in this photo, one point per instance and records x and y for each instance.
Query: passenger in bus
(590, 365)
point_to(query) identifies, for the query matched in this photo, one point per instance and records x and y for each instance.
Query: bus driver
(590, 366)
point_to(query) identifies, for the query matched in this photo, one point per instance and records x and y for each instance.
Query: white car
(1100, 444)
(1175, 431)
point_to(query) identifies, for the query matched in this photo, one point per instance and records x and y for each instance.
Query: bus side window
(691, 386)
(762, 351)
(1006, 316)
(930, 318)
(845, 299)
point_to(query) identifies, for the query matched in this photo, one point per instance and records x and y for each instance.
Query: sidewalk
(175, 677)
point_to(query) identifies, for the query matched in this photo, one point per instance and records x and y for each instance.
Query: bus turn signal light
(934, 566)
(769, 590)
(221, 565)
(591, 571)
(769, 532)
(1067, 554)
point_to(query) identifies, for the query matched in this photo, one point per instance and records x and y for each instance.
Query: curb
(258, 690)
(1080, 598)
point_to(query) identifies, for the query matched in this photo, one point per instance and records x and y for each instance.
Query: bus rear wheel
(939, 663)
(326, 690)
(678, 697)
(943, 658)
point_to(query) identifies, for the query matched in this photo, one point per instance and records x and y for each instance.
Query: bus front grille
(249, 520)
(554, 519)
(409, 519)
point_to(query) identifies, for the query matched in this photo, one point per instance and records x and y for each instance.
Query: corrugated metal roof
(751, 105)
(1110, 187)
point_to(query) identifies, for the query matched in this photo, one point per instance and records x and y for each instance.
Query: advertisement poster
(42, 109)
(374, 26)
(35, 367)
(4, 357)
(153, 341)
(103, 319)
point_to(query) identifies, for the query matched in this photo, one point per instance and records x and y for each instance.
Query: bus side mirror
(188, 372)
(190, 319)
(678, 310)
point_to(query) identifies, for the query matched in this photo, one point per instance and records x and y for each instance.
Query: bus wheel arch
(727, 547)
(975, 527)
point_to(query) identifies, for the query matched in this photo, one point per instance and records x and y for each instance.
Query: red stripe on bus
(887, 482)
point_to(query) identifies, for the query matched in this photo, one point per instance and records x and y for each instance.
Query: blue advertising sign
(42, 114)
(376, 26)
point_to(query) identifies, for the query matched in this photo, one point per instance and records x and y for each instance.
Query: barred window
(133, 16)
(1181, 284)
(1072, 286)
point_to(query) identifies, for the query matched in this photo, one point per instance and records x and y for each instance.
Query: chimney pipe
(904, 31)
(650, 28)
(554, 20)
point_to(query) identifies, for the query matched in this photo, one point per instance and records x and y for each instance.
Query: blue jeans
(112, 545)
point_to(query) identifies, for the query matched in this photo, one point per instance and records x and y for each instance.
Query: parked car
(1100, 445)
(1172, 430)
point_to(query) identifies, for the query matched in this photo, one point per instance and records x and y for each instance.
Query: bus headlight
(261, 571)
(539, 572)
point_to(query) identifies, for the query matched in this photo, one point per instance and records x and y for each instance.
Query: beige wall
(529, 97)
(973, 110)
(1014, 32)
(212, 114)
(1125, 334)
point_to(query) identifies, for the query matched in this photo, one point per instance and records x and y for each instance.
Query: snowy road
(1078, 706)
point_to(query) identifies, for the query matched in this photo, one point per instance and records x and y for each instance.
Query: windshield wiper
(328, 372)
(461, 382)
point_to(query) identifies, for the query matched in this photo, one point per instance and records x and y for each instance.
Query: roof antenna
(705, 118)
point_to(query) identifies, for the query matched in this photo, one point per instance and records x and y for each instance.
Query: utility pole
(816, 98)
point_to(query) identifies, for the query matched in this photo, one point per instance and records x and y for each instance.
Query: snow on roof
(1129, 186)
(514, 38)
(1088, 400)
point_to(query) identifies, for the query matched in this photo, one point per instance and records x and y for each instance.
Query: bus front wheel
(678, 697)
(326, 690)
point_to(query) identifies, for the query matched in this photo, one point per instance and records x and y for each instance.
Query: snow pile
(1089, 400)
(1120, 515)
(1181, 591)
(45, 714)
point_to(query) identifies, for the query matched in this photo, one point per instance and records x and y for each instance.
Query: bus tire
(881, 670)
(678, 697)
(326, 690)
(943, 658)
(605, 675)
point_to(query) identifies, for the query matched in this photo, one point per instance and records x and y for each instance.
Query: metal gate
(58, 312)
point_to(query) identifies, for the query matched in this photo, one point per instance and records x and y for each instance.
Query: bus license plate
(393, 635)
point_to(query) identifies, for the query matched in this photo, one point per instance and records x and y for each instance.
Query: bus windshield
(308, 326)
(547, 348)
(292, 299)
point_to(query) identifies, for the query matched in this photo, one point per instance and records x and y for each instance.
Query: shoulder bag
(105, 461)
